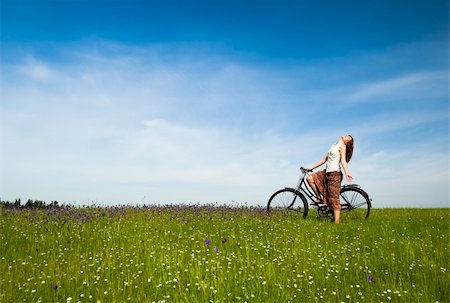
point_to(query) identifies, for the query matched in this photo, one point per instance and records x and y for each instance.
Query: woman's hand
(349, 178)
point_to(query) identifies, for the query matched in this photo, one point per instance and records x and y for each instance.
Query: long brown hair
(349, 149)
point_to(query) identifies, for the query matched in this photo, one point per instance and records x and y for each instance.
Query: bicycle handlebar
(305, 170)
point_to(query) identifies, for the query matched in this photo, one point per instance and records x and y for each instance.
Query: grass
(220, 254)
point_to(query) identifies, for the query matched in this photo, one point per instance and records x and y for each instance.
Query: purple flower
(216, 248)
(55, 287)
(207, 242)
(370, 279)
(224, 240)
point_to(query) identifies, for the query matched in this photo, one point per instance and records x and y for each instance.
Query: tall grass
(219, 254)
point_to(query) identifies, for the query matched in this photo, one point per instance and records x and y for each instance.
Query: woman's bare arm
(343, 150)
(321, 162)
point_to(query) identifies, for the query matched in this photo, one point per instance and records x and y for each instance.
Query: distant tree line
(29, 204)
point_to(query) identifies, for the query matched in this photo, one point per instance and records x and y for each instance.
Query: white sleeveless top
(334, 158)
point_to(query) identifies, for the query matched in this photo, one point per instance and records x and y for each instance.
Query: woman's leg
(313, 185)
(337, 216)
(317, 182)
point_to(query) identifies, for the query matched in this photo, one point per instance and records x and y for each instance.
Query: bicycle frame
(304, 188)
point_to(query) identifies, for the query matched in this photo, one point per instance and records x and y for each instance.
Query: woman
(327, 183)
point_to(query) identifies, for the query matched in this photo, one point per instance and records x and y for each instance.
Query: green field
(220, 254)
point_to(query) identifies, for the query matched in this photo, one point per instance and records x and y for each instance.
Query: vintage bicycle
(355, 202)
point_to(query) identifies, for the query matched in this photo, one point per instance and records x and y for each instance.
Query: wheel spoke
(362, 204)
(287, 200)
(355, 204)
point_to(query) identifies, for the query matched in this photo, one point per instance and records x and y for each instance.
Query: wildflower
(54, 287)
(370, 279)
(216, 248)
(224, 240)
(207, 242)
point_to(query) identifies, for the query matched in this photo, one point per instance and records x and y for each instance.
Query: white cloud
(117, 128)
(37, 70)
(406, 84)
(390, 122)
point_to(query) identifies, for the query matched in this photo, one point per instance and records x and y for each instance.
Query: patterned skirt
(329, 186)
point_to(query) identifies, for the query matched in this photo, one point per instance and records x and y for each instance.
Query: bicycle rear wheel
(288, 200)
(355, 203)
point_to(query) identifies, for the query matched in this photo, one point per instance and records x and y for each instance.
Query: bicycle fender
(351, 185)
(290, 188)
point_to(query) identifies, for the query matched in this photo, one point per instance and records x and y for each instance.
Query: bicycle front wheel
(287, 200)
(355, 203)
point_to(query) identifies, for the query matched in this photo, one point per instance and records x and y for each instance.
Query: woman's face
(346, 138)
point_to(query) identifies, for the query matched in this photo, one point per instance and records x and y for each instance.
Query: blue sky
(221, 101)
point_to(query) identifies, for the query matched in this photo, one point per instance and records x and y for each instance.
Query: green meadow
(180, 253)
